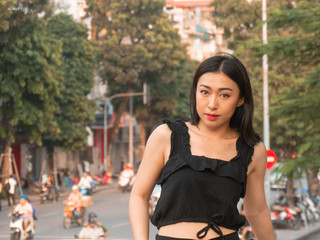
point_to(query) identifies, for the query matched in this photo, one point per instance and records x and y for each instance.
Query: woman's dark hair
(232, 67)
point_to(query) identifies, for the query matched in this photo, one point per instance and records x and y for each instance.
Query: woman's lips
(212, 116)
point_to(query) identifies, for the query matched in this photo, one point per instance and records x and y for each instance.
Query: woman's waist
(189, 230)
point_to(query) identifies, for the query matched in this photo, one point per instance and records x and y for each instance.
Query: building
(193, 19)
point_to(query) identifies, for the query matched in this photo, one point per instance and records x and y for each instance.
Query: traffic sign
(271, 159)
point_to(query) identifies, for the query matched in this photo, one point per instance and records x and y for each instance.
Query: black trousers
(231, 236)
(11, 196)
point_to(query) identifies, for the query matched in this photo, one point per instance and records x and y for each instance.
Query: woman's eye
(225, 95)
(204, 92)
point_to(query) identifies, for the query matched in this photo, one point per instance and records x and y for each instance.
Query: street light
(146, 96)
(265, 69)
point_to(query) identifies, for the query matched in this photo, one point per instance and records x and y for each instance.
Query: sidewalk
(301, 234)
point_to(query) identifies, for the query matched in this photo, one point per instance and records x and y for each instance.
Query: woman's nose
(213, 103)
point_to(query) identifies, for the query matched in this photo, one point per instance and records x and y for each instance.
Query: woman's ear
(240, 102)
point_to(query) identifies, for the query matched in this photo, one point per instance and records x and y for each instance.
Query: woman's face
(217, 97)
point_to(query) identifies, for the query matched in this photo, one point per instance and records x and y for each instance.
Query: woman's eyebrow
(220, 89)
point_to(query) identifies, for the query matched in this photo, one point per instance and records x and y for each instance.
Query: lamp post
(105, 119)
(265, 69)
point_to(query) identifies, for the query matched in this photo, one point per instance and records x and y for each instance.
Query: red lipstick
(212, 116)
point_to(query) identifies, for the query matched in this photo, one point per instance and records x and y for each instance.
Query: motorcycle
(17, 232)
(47, 195)
(71, 215)
(284, 216)
(126, 180)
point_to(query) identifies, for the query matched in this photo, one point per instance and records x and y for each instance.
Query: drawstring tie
(211, 225)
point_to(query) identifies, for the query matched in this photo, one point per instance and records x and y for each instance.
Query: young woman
(206, 165)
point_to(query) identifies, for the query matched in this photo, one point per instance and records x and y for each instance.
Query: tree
(5, 11)
(245, 39)
(29, 79)
(300, 49)
(75, 111)
(138, 44)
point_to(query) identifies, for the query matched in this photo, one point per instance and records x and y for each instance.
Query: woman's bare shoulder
(161, 134)
(259, 158)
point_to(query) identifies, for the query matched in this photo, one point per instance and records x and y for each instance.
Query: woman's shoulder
(161, 133)
(259, 158)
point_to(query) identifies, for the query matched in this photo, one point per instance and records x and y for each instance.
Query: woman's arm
(155, 155)
(255, 206)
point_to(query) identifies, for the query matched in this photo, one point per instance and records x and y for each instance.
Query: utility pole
(265, 69)
(145, 95)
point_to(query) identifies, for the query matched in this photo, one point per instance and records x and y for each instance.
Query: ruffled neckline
(232, 168)
(186, 137)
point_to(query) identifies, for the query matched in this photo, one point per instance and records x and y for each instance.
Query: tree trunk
(114, 132)
(142, 138)
(6, 157)
(313, 184)
(290, 192)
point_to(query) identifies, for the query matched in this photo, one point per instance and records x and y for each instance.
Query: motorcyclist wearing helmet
(91, 230)
(75, 197)
(95, 217)
(26, 210)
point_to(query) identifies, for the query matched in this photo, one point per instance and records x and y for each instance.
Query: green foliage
(75, 111)
(46, 72)
(5, 11)
(29, 79)
(300, 49)
(293, 51)
(138, 44)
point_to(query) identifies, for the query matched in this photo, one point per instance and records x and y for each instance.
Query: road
(315, 236)
(110, 205)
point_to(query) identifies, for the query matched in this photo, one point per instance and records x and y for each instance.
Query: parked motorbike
(17, 231)
(126, 180)
(284, 216)
(47, 195)
(71, 215)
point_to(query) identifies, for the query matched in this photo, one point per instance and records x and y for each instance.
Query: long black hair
(232, 67)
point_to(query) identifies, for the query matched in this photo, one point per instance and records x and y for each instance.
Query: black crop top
(201, 189)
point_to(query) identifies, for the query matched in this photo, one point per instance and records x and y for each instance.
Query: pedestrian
(206, 165)
(85, 183)
(10, 187)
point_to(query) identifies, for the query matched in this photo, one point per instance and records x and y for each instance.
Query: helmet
(92, 214)
(92, 220)
(23, 197)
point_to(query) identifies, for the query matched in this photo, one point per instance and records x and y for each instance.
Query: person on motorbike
(95, 217)
(85, 183)
(26, 210)
(91, 230)
(75, 197)
(51, 189)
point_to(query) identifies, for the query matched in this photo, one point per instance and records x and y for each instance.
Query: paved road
(110, 205)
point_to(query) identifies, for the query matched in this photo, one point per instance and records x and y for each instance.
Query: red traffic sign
(271, 159)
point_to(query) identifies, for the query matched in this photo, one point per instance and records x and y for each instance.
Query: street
(110, 205)
(315, 236)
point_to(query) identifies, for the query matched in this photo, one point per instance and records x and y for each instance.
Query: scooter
(126, 180)
(71, 215)
(17, 231)
(46, 195)
(285, 216)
